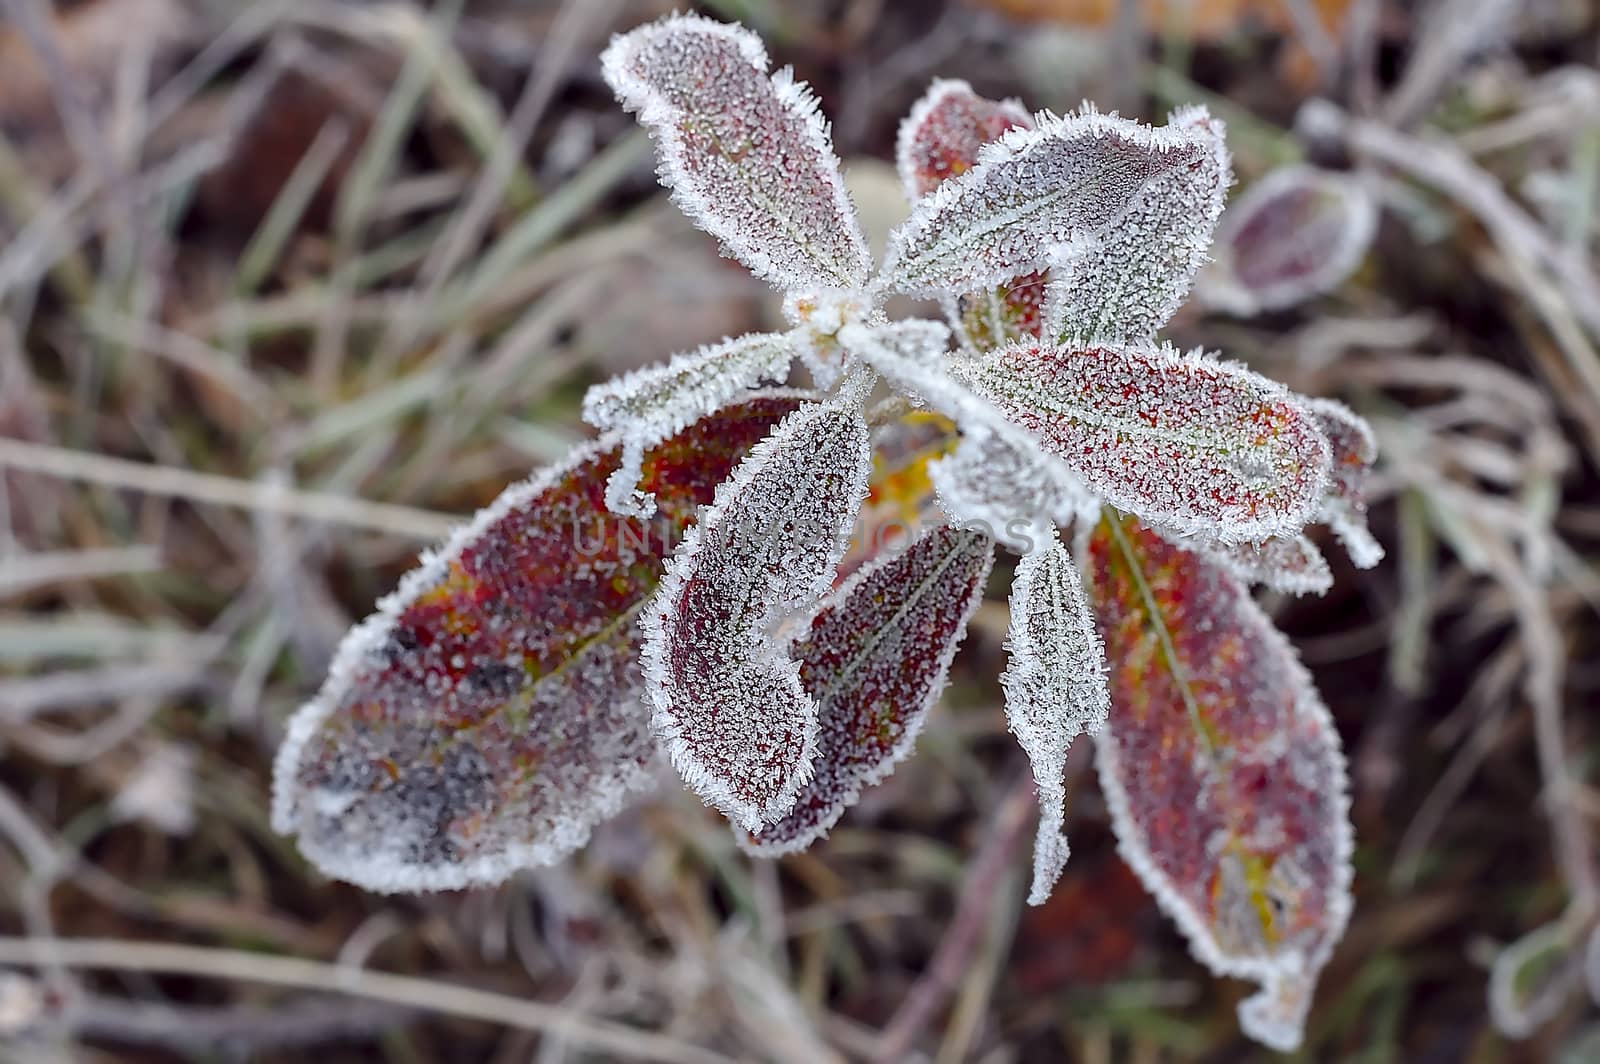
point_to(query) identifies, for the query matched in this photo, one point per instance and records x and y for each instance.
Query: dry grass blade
(223, 491)
(425, 995)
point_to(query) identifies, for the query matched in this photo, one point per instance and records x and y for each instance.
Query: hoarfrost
(1344, 507)
(1183, 441)
(1066, 184)
(1126, 285)
(1222, 771)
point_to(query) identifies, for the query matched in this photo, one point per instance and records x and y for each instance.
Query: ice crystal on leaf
(489, 713)
(519, 684)
(1182, 440)
(1222, 771)
(728, 699)
(942, 134)
(1294, 234)
(875, 661)
(1291, 564)
(1009, 492)
(747, 156)
(1055, 688)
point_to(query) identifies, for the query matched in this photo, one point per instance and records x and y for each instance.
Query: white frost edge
(1014, 145)
(1247, 563)
(873, 775)
(1053, 314)
(931, 386)
(656, 114)
(1220, 289)
(966, 508)
(654, 620)
(1349, 526)
(1285, 980)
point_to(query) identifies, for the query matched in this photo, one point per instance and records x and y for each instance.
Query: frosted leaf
(818, 317)
(940, 137)
(1184, 441)
(651, 404)
(748, 157)
(989, 484)
(1222, 772)
(1125, 286)
(1068, 183)
(1344, 507)
(1055, 684)
(728, 701)
(938, 140)
(1294, 234)
(1055, 489)
(875, 661)
(489, 713)
(919, 342)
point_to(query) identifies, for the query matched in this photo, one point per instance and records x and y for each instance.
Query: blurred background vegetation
(288, 287)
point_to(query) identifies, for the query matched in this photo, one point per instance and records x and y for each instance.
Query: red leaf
(941, 136)
(875, 662)
(489, 713)
(1223, 772)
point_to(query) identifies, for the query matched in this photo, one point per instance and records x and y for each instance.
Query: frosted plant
(678, 588)
(1295, 233)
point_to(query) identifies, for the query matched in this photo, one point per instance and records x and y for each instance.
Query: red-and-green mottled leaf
(489, 713)
(1222, 771)
(728, 700)
(939, 140)
(1294, 234)
(875, 662)
(1184, 441)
